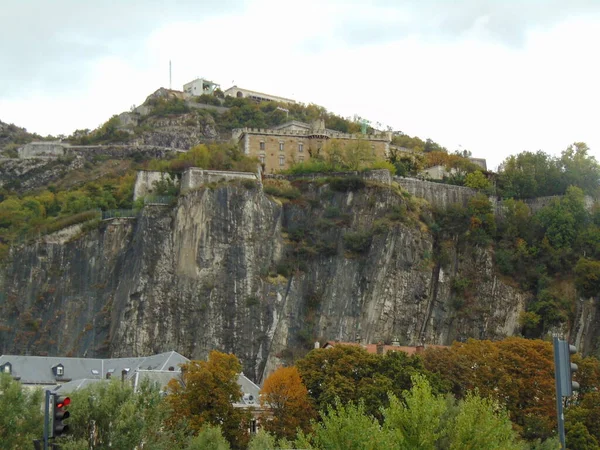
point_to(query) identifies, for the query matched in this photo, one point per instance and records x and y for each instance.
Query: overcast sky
(493, 76)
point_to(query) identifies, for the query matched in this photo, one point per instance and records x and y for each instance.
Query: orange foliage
(204, 395)
(287, 397)
(518, 372)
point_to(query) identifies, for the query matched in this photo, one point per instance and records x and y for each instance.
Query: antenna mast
(170, 75)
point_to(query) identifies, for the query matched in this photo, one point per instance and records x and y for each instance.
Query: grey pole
(559, 395)
(47, 419)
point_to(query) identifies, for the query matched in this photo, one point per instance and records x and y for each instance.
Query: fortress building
(238, 92)
(279, 147)
(200, 86)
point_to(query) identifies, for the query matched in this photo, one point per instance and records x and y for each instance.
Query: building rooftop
(79, 373)
(39, 369)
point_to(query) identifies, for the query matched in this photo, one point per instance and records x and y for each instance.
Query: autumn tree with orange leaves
(205, 394)
(517, 372)
(287, 397)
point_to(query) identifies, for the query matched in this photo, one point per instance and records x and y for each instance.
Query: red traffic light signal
(59, 414)
(63, 401)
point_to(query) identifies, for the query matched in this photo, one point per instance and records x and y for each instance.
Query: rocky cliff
(232, 268)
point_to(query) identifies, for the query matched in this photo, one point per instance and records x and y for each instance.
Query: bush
(208, 99)
(346, 184)
(165, 107)
(358, 242)
(65, 222)
(280, 188)
(383, 165)
(249, 184)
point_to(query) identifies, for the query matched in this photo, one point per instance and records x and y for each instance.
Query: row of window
(281, 159)
(281, 146)
(300, 147)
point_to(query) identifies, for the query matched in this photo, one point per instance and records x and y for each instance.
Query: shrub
(331, 212)
(249, 184)
(208, 100)
(383, 165)
(65, 222)
(398, 213)
(346, 184)
(358, 242)
(280, 188)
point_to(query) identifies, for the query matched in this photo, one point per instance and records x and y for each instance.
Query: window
(282, 160)
(300, 147)
(6, 368)
(60, 371)
(261, 158)
(301, 158)
(280, 146)
(262, 145)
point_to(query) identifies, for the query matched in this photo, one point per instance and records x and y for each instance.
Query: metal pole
(47, 419)
(559, 397)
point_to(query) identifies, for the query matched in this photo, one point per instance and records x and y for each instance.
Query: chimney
(108, 374)
(317, 344)
(380, 348)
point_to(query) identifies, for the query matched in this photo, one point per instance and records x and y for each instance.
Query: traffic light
(564, 368)
(59, 414)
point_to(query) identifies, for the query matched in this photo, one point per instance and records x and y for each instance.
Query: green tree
(117, 416)
(587, 279)
(348, 427)
(578, 437)
(481, 424)
(208, 438)
(477, 180)
(349, 373)
(21, 418)
(579, 168)
(263, 440)
(416, 423)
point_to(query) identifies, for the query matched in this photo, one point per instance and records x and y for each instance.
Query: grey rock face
(233, 269)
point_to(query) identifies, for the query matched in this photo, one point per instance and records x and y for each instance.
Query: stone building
(200, 86)
(293, 142)
(239, 92)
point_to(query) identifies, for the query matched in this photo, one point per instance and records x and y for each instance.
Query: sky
(495, 77)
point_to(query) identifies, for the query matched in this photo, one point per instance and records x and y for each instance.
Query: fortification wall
(89, 152)
(42, 150)
(145, 182)
(437, 194)
(537, 203)
(48, 150)
(379, 175)
(195, 177)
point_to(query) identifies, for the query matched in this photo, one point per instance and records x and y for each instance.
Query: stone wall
(438, 194)
(145, 182)
(42, 150)
(537, 203)
(195, 177)
(379, 175)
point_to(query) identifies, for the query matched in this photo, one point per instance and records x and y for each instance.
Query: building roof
(38, 369)
(250, 392)
(259, 94)
(83, 372)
